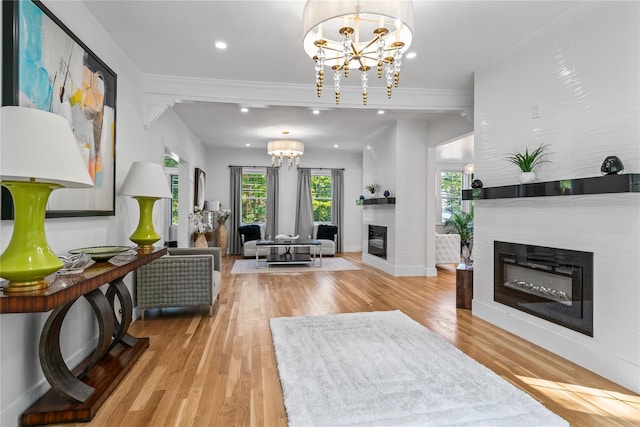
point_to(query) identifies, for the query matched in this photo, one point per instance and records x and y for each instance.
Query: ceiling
(176, 38)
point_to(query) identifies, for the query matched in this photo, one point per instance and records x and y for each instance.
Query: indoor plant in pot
(527, 161)
(373, 188)
(462, 223)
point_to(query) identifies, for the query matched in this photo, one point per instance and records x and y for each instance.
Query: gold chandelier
(367, 34)
(285, 148)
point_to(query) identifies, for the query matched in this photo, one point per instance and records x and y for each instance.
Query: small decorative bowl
(75, 263)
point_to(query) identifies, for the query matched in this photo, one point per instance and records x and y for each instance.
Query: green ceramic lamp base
(145, 235)
(28, 259)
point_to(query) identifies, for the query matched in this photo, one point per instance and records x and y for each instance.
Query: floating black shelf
(380, 201)
(625, 183)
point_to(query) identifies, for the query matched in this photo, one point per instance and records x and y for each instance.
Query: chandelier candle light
(285, 148)
(357, 34)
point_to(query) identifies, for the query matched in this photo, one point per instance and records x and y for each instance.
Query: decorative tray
(101, 253)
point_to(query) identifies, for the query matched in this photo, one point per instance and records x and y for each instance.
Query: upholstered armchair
(185, 277)
(249, 235)
(327, 234)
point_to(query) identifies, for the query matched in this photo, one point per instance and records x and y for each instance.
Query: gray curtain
(337, 203)
(234, 245)
(273, 188)
(304, 207)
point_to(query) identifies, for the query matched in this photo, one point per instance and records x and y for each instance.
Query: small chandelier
(285, 148)
(368, 34)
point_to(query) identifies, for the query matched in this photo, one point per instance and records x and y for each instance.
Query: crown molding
(162, 92)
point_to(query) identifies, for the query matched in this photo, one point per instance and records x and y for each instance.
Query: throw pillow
(250, 232)
(326, 232)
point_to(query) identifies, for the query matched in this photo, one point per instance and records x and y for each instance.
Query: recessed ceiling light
(244, 109)
(221, 45)
(411, 55)
(247, 145)
(380, 111)
(335, 145)
(316, 112)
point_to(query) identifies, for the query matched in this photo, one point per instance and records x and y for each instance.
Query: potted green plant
(462, 223)
(373, 188)
(527, 161)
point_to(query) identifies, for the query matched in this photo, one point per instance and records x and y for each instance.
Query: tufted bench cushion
(447, 248)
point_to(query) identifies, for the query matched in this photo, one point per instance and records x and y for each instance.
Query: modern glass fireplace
(377, 241)
(550, 283)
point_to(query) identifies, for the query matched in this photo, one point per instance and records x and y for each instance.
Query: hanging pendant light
(358, 34)
(286, 148)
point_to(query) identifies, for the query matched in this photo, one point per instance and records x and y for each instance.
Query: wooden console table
(77, 394)
(464, 286)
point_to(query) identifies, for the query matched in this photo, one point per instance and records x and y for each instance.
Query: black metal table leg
(119, 289)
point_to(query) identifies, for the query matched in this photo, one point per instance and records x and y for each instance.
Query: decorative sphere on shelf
(361, 197)
(612, 165)
(476, 183)
(386, 193)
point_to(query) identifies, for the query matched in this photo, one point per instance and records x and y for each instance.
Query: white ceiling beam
(172, 89)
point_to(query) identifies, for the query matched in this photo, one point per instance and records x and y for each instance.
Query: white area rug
(385, 369)
(244, 266)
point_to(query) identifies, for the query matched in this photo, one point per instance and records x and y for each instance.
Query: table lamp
(38, 154)
(146, 182)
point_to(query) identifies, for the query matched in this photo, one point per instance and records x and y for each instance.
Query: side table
(464, 286)
(76, 394)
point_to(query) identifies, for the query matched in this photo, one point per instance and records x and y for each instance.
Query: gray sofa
(328, 245)
(185, 277)
(249, 246)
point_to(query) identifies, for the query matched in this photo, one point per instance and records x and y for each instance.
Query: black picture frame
(200, 182)
(59, 86)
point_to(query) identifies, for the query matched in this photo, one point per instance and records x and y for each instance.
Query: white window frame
(322, 172)
(466, 184)
(256, 171)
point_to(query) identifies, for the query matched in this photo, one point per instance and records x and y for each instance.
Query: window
(174, 199)
(254, 197)
(321, 197)
(171, 165)
(450, 193)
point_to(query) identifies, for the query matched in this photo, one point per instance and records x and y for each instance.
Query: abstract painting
(45, 66)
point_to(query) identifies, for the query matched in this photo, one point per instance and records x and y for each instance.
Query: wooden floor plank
(221, 370)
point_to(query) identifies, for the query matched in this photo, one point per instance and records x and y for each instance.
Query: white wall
(170, 132)
(411, 214)
(21, 379)
(218, 186)
(583, 70)
(379, 166)
(402, 158)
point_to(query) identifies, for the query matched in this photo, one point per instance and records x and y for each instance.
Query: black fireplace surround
(550, 283)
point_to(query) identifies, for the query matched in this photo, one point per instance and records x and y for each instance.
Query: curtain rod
(341, 169)
(266, 167)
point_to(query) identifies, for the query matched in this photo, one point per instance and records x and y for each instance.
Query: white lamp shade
(146, 179)
(285, 147)
(323, 18)
(40, 145)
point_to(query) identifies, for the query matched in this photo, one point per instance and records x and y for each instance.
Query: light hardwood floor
(221, 371)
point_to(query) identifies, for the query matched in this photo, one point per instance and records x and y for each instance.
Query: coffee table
(289, 257)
